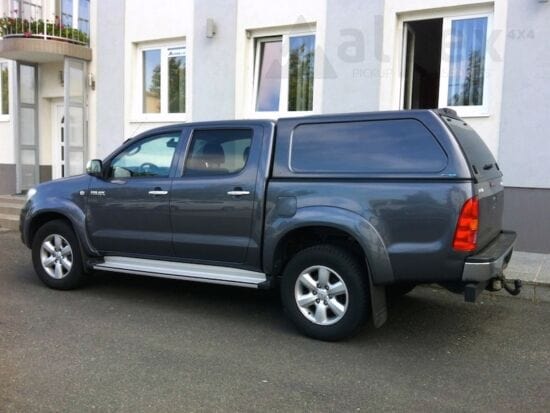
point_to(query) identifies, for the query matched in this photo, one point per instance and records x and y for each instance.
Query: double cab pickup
(336, 211)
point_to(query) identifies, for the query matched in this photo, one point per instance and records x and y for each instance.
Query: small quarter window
(218, 152)
(383, 146)
(151, 157)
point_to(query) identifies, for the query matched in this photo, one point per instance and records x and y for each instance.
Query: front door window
(146, 158)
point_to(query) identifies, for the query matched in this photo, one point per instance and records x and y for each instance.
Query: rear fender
(355, 225)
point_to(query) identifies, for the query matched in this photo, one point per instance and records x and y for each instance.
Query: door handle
(157, 192)
(238, 193)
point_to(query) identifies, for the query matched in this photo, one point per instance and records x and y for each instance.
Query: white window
(463, 83)
(445, 64)
(284, 72)
(4, 90)
(75, 14)
(161, 80)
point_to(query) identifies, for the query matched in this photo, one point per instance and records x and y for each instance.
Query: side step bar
(183, 271)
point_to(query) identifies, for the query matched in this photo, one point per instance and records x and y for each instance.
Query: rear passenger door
(213, 197)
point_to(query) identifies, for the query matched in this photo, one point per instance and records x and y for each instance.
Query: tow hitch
(471, 291)
(500, 282)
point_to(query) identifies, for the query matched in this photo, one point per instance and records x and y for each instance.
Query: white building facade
(156, 63)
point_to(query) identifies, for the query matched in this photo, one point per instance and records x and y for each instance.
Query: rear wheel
(56, 256)
(324, 291)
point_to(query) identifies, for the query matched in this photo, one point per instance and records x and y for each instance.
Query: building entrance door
(58, 140)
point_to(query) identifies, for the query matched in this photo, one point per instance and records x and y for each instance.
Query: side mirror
(95, 168)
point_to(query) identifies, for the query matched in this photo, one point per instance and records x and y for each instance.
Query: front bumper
(488, 265)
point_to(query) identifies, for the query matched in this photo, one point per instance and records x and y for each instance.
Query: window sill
(158, 117)
(471, 111)
(5, 118)
(277, 115)
(474, 115)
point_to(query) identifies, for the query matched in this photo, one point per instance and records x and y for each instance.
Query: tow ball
(501, 282)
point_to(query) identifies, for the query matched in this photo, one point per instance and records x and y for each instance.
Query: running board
(183, 271)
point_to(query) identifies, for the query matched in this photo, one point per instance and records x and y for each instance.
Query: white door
(58, 140)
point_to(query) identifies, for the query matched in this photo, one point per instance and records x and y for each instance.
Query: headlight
(30, 193)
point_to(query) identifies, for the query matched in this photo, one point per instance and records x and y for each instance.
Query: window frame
(262, 37)
(163, 116)
(444, 71)
(5, 117)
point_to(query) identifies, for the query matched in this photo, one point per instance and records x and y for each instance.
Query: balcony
(39, 41)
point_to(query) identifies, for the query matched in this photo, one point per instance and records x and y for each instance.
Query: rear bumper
(491, 261)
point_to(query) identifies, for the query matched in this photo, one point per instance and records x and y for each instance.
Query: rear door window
(380, 146)
(481, 160)
(218, 152)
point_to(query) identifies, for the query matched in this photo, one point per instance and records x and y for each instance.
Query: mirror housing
(95, 168)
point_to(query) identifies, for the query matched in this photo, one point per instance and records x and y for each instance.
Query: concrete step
(10, 208)
(13, 199)
(9, 221)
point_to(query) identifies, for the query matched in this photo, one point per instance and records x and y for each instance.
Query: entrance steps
(10, 206)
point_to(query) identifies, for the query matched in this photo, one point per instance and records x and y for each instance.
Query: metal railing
(24, 23)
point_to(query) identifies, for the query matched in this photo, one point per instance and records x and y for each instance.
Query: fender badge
(82, 193)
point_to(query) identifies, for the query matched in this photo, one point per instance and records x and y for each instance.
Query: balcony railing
(42, 29)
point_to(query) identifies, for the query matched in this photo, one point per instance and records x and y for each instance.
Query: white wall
(353, 42)
(525, 140)
(213, 60)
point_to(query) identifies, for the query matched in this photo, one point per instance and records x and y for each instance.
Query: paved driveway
(138, 344)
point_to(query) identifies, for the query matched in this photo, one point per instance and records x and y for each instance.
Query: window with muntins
(163, 79)
(284, 73)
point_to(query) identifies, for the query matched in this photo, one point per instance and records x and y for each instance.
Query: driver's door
(128, 209)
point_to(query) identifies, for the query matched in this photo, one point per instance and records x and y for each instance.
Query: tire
(322, 315)
(57, 257)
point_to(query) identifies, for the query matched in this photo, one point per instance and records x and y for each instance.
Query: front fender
(67, 208)
(342, 219)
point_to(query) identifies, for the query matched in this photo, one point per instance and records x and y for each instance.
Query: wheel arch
(43, 212)
(333, 222)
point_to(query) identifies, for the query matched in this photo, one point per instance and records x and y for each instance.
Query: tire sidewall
(75, 276)
(352, 273)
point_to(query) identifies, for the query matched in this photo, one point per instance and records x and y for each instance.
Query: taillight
(465, 239)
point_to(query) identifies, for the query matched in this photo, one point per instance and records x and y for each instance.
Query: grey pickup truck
(337, 211)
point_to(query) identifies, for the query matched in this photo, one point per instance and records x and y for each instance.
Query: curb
(532, 291)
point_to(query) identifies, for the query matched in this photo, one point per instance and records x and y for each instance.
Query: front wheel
(56, 256)
(324, 292)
